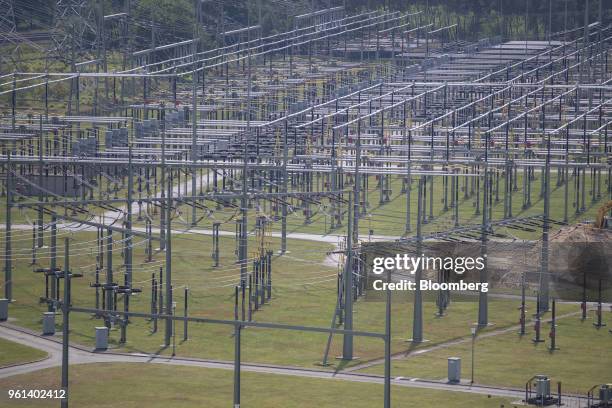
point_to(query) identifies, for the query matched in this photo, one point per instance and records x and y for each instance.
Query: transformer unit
(220, 145)
(605, 394)
(85, 147)
(138, 130)
(116, 138)
(58, 185)
(172, 119)
(540, 386)
(212, 147)
(454, 370)
(175, 119)
(150, 126)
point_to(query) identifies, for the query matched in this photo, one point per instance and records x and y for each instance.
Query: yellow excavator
(600, 221)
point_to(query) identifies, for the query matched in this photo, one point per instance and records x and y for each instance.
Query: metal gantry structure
(295, 124)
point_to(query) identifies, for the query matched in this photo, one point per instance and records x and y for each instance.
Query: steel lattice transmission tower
(73, 35)
(7, 19)
(8, 32)
(75, 28)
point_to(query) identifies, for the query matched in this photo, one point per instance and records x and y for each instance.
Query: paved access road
(82, 355)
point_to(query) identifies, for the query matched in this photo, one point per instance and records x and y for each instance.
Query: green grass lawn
(15, 353)
(583, 358)
(390, 218)
(152, 386)
(304, 293)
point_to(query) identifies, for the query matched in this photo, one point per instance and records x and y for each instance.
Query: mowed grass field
(582, 360)
(304, 293)
(388, 218)
(14, 353)
(155, 386)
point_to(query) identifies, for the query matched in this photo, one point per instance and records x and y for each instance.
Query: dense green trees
(511, 18)
(172, 20)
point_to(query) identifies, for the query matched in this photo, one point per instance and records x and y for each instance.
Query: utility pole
(109, 274)
(243, 244)
(173, 329)
(483, 306)
(585, 44)
(128, 245)
(169, 311)
(474, 331)
(417, 324)
(237, 332)
(53, 260)
(583, 304)
(347, 344)
(387, 381)
(357, 188)
(8, 252)
(553, 328)
(186, 313)
(523, 316)
(163, 207)
(40, 181)
(194, 106)
(66, 322)
(544, 273)
(285, 174)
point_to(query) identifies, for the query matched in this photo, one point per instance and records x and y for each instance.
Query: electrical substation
(219, 199)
